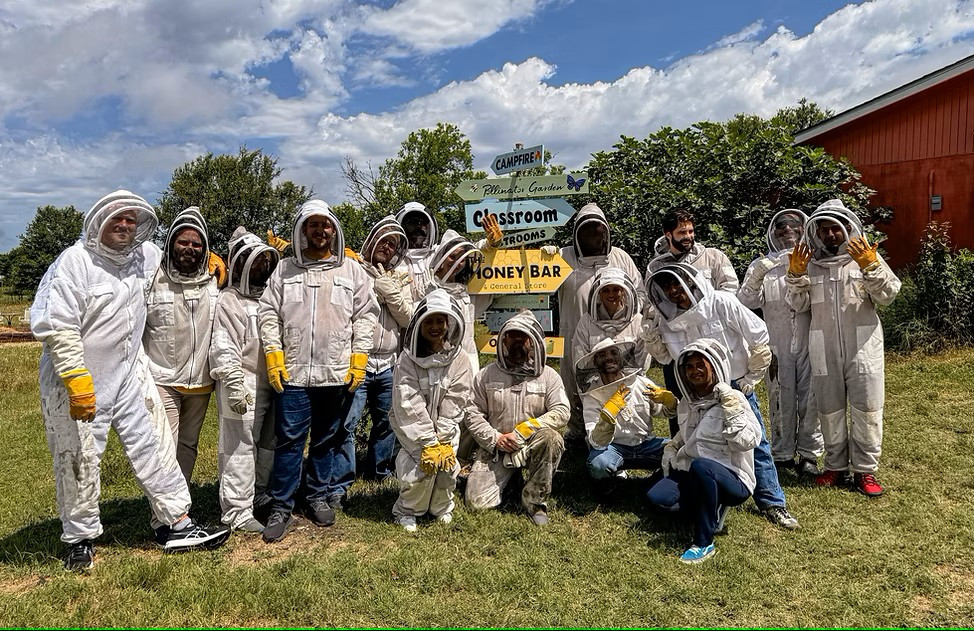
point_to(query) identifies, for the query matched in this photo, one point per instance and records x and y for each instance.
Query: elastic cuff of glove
(872, 266)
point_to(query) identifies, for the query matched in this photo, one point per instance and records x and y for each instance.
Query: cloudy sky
(111, 94)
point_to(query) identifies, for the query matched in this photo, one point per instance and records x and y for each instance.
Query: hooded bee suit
(89, 312)
(431, 394)
(794, 425)
(597, 325)
(527, 399)
(179, 320)
(713, 263)
(318, 312)
(416, 262)
(720, 316)
(393, 291)
(244, 398)
(714, 430)
(624, 439)
(845, 341)
(574, 293)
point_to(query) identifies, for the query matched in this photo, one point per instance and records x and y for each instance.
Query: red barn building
(915, 147)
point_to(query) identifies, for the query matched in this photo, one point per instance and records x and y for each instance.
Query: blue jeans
(376, 392)
(768, 491)
(701, 491)
(321, 413)
(604, 463)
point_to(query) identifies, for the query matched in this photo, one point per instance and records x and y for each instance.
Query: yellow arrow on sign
(519, 272)
(554, 346)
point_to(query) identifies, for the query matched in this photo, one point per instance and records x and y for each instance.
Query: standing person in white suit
(795, 429)
(244, 397)
(840, 278)
(431, 394)
(89, 312)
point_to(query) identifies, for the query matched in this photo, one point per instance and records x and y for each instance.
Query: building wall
(908, 151)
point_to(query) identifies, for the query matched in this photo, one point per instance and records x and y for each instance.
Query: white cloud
(748, 33)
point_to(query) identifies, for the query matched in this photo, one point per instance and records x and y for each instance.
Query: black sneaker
(81, 556)
(321, 513)
(337, 502)
(276, 526)
(196, 537)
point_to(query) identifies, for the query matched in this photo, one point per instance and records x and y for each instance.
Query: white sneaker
(445, 518)
(408, 522)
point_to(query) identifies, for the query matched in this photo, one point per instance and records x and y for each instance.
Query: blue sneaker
(696, 554)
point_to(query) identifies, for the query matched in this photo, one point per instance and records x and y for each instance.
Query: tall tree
(429, 165)
(234, 190)
(47, 235)
(733, 175)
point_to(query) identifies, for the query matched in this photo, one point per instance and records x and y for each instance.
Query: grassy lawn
(903, 559)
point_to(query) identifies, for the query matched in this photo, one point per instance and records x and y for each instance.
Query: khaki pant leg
(545, 448)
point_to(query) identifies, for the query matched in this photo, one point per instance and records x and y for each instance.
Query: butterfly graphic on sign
(575, 184)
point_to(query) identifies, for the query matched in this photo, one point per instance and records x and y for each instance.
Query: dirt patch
(960, 583)
(22, 585)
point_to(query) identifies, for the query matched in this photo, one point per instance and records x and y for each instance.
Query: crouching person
(711, 458)
(519, 407)
(431, 392)
(618, 406)
(244, 396)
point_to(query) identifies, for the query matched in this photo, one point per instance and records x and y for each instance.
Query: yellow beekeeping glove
(448, 458)
(429, 460)
(217, 269)
(493, 230)
(862, 253)
(662, 396)
(526, 428)
(615, 403)
(799, 258)
(276, 372)
(356, 370)
(277, 242)
(81, 394)
(352, 254)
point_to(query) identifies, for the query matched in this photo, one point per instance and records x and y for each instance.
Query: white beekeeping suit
(90, 313)
(179, 319)
(795, 429)
(523, 397)
(417, 260)
(712, 263)
(845, 341)
(573, 295)
(244, 397)
(597, 325)
(431, 393)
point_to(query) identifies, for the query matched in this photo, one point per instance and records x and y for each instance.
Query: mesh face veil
(785, 224)
(588, 370)
(245, 249)
(386, 228)
(437, 301)
(456, 260)
(109, 207)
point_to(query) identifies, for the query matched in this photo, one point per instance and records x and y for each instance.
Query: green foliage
(428, 167)
(732, 175)
(935, 307)
(51, 231)
(234, 190)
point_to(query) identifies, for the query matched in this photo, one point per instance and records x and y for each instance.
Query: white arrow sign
(518, 160)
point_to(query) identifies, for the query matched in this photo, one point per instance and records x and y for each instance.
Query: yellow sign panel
(554, 346)
(519, 272)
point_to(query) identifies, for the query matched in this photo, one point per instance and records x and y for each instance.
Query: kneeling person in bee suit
(245, 398)
(519, 408)
(618, 405)
(431, 394)
(711, 458)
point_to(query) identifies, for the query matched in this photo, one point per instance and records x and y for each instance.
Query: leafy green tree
(732, 175)
(428, 167)
(51, 231)
(231, 191)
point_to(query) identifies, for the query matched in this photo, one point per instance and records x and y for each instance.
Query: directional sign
(496, 319)
(518, 160)
(554, 346)
(513, 215)
(525, 186)
(519, 272)
(515, 239)
(529, 301)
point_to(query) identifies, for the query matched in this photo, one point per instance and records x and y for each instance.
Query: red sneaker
(868, 484)
(830, 478)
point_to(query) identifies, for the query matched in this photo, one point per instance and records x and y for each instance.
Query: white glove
(669, 455)
(758, 271)
(728, 400)
(747, 384)
(237, 396)
(549, 250)
(389, 283)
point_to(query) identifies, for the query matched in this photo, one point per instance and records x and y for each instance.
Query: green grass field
(903, 559)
